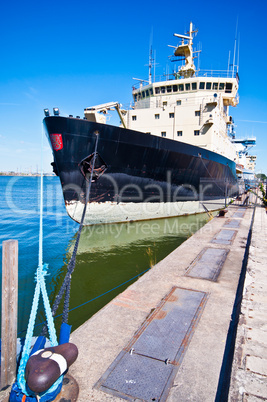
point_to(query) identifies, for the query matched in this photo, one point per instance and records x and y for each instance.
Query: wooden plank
(9, 312)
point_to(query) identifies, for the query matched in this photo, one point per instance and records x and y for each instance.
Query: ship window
(181, 87)
(175, 88)
(134, 118)
(202, 85)
(196, 132)
(171, 115)
(157, 116)
(169, 88)
(221, 86)
(157, 90)
(151, 91)
(147, 92)
(208, 85)
(143, 94)
(194, 86)
(179, 133)
(197, 113)
(187, 87)
(164, 103)
(228, 87)
(178, 102)
(163, 133)
(162, 90)
(215, 86)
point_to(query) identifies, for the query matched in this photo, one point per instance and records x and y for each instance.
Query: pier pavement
(249, 372)
(197, 374)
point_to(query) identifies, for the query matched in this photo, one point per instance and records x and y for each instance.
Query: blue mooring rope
(95, 298)
(108, 291)
(40, 289)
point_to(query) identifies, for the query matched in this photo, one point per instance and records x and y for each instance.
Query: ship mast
(150, 66)
(185, 50)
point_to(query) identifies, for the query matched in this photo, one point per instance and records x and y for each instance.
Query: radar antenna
(185, 51)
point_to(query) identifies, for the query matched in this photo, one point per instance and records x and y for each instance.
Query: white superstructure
(187, 107)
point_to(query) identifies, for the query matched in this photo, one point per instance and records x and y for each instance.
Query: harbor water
(110, 257)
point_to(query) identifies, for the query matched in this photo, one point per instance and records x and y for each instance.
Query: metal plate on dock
(146, 367)
(239, 213)
(137, 376)
(208, 264)
(224, 236)
(231, 224)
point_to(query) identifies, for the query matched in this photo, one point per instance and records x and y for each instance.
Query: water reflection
(106, 237)
(111, 255)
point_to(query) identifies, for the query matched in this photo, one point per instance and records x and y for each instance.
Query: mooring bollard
(9, 312)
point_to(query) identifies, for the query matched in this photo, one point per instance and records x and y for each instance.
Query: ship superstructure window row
(184, 87)
(176, 88)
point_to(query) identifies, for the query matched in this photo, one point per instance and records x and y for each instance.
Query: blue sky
(77, 54)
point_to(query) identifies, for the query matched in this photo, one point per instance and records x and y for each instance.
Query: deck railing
(199, 73)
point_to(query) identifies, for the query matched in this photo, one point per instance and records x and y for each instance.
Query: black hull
(139, 167)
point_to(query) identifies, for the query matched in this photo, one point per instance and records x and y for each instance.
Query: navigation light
(56, 111)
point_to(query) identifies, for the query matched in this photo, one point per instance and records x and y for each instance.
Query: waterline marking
(146, 202)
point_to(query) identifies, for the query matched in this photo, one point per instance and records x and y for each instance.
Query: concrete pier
(197, 374)
(249, 372)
